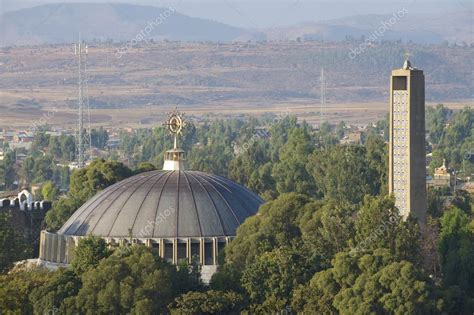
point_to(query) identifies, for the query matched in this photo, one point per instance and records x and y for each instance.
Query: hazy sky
(267, 13)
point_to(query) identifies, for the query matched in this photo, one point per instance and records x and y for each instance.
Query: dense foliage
(452, 137)
(132, 281)
(13, 245)
(329, 240)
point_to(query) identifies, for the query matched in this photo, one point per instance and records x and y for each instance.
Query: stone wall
(27, 216)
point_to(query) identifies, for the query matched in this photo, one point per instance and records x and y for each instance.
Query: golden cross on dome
(175, 124)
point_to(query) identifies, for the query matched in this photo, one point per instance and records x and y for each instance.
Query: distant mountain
(62, 23)
(452, 27)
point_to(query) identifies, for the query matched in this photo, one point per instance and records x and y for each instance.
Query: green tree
(436, 118)
(43, 169)
(436, 160)
(208, 303)
(100, 174)
(377, 160)
(55, 294)
(139, 282)
(290, 173)
(456, 247)
(379, 225)
(13, 245)
(454, 140)
(99, 138)
(274, 226)
(325, 137)
(144, 167)
(279, 135)
(340, 129)
(327, 228)
(84, 184)
(55, 147)
(211, 158)
(9, 173)
(40, 142)
(252, 169)
(317, 295)
(395, 288)
(335, 167)
(2, 176)
(270, 280)
(464, 201)
(26, 171)
(262, 182)
(49, 191)
(68, 147)
(88, 253)
(227, 279)
(16, 286)
(61, 211)
(436, 198)
(374, 283)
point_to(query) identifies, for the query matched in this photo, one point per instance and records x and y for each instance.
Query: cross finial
(175, 124)
(407, 63)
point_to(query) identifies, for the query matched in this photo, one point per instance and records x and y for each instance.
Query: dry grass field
(142, 117)
(39, 84)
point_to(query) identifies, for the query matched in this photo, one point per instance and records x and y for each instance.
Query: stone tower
(407, 166)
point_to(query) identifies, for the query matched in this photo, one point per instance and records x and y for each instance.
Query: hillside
(453, 27)
(203, 73)
(62, 23)
(221, 78)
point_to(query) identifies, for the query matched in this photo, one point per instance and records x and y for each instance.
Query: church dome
(183, 214)
(165, 204)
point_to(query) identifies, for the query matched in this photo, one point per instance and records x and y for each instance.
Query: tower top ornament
(175, 124)
(407, 64)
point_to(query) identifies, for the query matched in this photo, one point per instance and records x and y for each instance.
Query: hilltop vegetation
(329, 239)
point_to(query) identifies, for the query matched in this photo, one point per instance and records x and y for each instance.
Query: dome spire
(175, 159)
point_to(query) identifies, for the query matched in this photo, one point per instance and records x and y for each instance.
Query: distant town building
(262, 132)
(355, 137)
(56, 133)
(469, 187)
(20, 157)
(407, 168)
(442, 177)
(114, 143)
(352, 138)
(7, 135)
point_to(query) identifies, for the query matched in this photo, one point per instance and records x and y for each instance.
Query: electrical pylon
(83, 135)
(323, 99)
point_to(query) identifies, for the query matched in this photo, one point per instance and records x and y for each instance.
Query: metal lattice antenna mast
(83, 135)
(323, 99)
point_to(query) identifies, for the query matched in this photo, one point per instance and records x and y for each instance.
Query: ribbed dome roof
(165, 204)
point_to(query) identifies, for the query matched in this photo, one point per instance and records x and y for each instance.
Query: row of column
(58, 248)
(170, 248)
